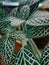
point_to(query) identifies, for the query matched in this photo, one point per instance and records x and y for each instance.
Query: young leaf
(24, 11)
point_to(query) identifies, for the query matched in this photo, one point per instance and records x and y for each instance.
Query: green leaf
(45, 56)
(14, 12)
(22, 14)
(26, 43)
(8, 29)
(15, 21)
(37, 25)
(19, 35)
(9, 24)
(24, 11)
(24, 56)
(4, 23)
(30, 2)
(7, 44)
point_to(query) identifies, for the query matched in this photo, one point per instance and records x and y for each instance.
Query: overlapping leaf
(22, 14)
(38, 24)
(25, 54)
(22, 37)
(19, 35)
(7, 44)
(24, 57)
(24, 11)
(8, 24)
(15, 21)
(45, 56)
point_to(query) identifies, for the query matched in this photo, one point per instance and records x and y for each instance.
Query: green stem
(35, 49)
